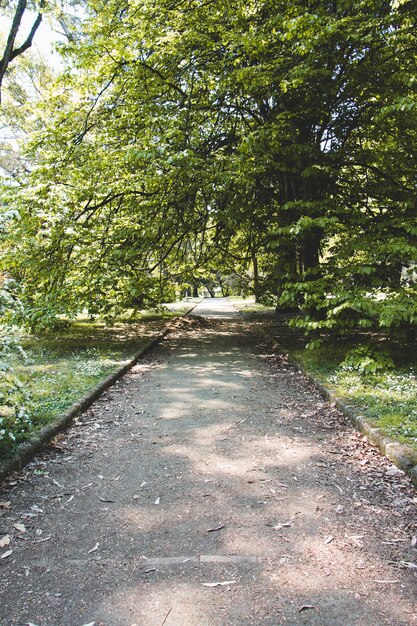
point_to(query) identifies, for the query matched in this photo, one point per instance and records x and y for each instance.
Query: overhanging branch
(10, 52)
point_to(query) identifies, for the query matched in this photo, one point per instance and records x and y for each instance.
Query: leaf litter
(222, 583)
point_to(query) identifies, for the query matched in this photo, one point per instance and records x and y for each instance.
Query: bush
(15, 421)
(367, 360)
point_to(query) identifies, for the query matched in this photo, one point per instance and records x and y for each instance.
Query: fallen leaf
(328, 539)
(220, 584)
(45, 539)
(306, 607)
(6, 554)
(105, 500)
(408, 564)
(283, 525)
(5, 505)
(393, 470)
(386, 582)
(157, 501)
(4, 541)
(93, 549)
(20, 527)
(212, 530)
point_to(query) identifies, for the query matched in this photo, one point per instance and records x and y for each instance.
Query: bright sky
(44, 39)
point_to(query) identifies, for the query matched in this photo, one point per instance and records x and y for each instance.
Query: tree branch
(10, 52)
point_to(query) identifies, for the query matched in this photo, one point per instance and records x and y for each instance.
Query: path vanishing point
(211, 486)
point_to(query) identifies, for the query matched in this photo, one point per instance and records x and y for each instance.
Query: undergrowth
(381, 381)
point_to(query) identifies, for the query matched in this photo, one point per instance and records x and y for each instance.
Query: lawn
(387, 396)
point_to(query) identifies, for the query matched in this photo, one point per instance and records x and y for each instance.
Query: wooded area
(266, 144)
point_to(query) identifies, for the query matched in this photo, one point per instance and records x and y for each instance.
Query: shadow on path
(209, 464)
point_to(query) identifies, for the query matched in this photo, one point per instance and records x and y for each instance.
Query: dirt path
(212, 462)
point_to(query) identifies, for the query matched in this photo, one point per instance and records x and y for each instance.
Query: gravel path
(211, 486)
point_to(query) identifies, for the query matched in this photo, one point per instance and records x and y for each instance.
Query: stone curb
(402, 455)
(27, 450)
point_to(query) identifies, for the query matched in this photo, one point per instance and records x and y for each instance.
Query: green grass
(249, 306)
(62, 366)
(388, 397)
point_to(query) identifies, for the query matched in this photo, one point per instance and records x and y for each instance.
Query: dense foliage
(273, 140)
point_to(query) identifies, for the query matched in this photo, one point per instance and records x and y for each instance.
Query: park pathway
(209, 487)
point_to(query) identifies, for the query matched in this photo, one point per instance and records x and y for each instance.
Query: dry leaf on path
(213, 530)
(6, 554)
(94, 549)
(20, 527)
(158, 500)
(4, 541)
(387, 582)
(393, 470)
(408, 564)
(283, 525)
(220, 584)
(306, 607)
(106, 500)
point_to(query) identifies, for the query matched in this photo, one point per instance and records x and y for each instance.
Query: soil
(210, 486)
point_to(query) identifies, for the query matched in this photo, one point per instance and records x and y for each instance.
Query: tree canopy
(271, 139)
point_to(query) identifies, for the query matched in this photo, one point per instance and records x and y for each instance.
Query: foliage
(273, 140)
(367, 360)
(15, 420)
(387, 395)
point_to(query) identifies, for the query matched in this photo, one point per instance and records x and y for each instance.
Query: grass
(387, 396)
(62, 366)
(249, 306)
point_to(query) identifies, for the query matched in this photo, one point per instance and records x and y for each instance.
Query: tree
(10, 51)
(263, 134)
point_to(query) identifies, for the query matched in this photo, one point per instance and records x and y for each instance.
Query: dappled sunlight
(209, 463)
(151, 603)
(204, 456)
(212, 472)
(180, 409)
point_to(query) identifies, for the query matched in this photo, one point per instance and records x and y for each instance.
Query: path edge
(404, 457)
(27, 450)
